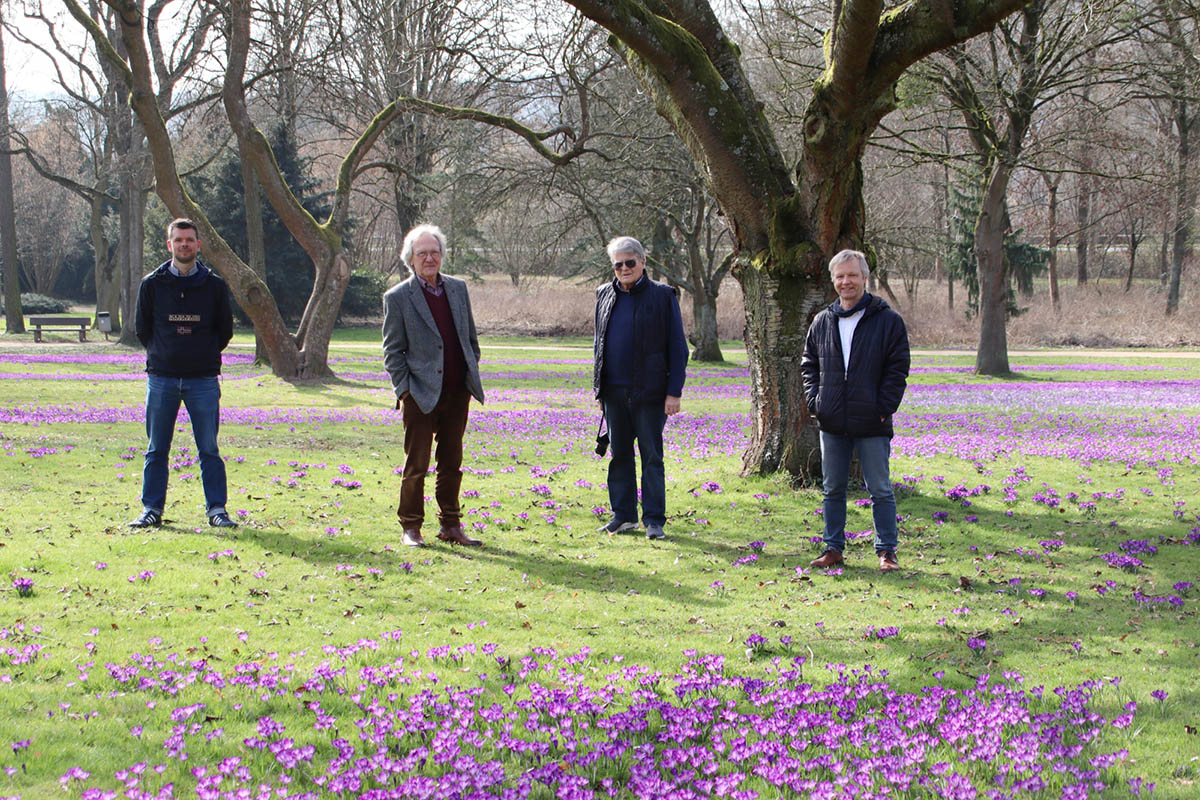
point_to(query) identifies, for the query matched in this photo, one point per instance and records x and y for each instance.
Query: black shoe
(148, 519)
(617, 526)
(221, 520)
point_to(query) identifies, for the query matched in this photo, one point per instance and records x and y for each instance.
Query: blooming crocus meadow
(1039, 641)
(580, 727)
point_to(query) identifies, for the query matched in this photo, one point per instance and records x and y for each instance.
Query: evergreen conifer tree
(1025, 261)
(221, 193)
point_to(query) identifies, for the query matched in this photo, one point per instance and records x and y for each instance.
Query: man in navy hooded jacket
(855, 369)
(184, 320)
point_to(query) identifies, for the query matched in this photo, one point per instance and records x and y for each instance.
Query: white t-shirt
(846, 326)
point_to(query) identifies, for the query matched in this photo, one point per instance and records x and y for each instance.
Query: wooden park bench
(40, 324)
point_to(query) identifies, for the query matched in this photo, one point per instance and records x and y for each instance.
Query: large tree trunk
(407, 196)
(256, 257)
(779, 309)
(705, 337)
(106, 273)
(13, 315)
(992, 356)
(131, 248)
(1185, 203)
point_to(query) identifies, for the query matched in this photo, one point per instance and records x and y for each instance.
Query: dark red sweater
(454, 364)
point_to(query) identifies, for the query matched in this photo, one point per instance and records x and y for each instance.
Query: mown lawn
(1050, 538)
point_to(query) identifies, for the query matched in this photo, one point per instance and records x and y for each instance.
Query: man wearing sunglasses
(640, 359)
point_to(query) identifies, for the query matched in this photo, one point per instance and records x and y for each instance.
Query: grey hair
(416, 233)
(626, 244)
(846, 255)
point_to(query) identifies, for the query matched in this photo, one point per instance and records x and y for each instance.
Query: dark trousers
(644, 422)
(447, 422)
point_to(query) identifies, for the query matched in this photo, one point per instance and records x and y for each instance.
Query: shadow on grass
(598, 579)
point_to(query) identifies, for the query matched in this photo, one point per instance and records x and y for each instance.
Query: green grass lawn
(1011, 494)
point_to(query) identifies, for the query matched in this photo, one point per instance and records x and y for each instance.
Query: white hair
(846, 255)
(626, 244)
(416, 233)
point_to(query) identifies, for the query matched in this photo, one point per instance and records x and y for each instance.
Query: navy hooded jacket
(184, 322)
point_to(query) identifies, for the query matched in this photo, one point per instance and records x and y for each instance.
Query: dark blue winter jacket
(858, 401)
(659, 347)
(184, 322)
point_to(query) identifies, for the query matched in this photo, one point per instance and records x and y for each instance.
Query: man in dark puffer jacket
(855, 369)
(184, 319)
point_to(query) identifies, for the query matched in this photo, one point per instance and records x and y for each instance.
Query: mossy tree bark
(787, 220)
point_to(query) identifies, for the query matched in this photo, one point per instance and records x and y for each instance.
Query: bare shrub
(547, 306)
(1100, 314)
(538, 307)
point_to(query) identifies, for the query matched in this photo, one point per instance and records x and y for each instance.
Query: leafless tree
(998, 84)
(51, 218)
(121, 171)
(1171, 77)
(8, 228)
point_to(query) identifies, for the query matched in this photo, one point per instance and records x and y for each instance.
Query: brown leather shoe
(412, 538)
(887, 561)
(830, 558)
(456, 535)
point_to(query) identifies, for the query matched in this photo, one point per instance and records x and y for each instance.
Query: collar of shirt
(645, 277)
(437, 290)
(175, 270)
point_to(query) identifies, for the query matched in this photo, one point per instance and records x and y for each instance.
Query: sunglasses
(628, 263)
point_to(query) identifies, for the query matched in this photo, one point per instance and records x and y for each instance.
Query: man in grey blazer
(431, 352)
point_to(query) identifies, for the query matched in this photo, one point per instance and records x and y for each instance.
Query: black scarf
(837, 309)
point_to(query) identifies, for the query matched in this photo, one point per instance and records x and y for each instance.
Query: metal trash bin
(104, 323)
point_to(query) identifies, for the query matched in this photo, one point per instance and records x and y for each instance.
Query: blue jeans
(644, 422)
(873, 454)
(202, 398)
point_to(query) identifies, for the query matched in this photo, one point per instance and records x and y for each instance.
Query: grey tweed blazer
(412, 346)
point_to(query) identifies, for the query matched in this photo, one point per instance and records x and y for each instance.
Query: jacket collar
(637, 288)
(199, 273)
